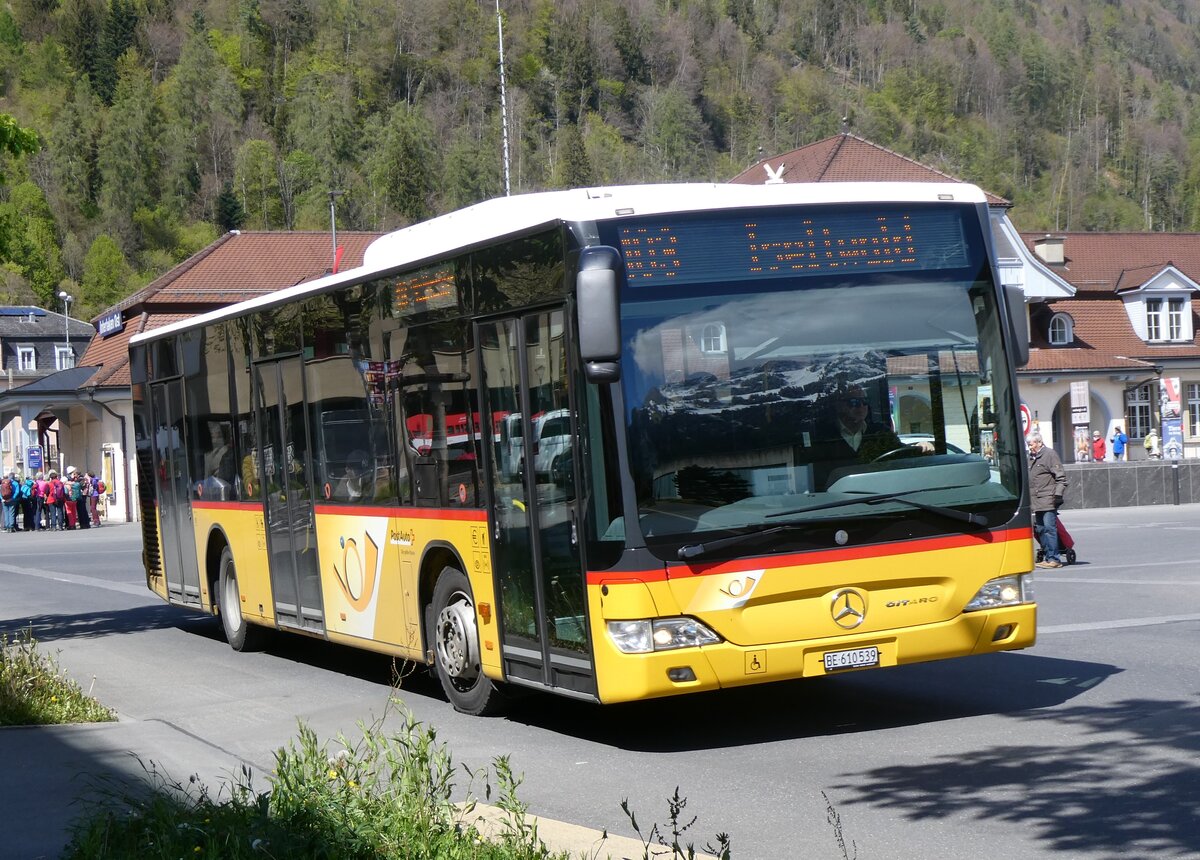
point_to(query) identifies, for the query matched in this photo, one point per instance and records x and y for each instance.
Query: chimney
(1050, 249)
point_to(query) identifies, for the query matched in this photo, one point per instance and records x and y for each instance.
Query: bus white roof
(521, 213)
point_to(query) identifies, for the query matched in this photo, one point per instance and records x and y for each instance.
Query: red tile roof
(236, 267)
(1107, 262)
(847, 158)
(1103, 338)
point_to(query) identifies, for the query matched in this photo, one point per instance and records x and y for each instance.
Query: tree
(105, 271)
(203, 112)
(575, 170)
(128, 156)
(30, 244)
(117, 35)
(401, 164)
(256, 179)
(230, 214)
(73, 148)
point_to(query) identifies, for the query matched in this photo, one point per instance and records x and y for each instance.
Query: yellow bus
(611, 443)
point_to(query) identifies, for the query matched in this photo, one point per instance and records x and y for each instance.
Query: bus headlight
(1002, 591)
(659, 634)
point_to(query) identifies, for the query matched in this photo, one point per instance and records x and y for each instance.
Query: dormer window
(1175, 319)
(1062, 329)
(1165, 319)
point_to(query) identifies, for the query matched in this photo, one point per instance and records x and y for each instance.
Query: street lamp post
(67, 298)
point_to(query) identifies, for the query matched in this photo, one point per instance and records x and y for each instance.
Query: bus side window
(441, 416)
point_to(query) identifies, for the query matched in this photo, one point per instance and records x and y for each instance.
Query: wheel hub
(457, 640)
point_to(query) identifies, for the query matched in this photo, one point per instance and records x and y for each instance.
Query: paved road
(1084, 746)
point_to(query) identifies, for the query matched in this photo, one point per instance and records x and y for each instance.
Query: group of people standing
(47, 501)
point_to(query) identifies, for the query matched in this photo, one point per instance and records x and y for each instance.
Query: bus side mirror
(1018, 323)
(598, 311)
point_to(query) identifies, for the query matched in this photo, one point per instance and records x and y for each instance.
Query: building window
(1175, 319)
(1061, 330)
(712, 339)
(26, 358)
(1154, 319)
(1137, 411)
(64, 357)
(1193, 409)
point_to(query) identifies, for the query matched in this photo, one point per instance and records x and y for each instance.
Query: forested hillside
(162, 124)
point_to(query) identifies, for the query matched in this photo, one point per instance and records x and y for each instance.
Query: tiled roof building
(238, 266)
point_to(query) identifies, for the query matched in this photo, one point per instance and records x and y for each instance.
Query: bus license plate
(854, 659)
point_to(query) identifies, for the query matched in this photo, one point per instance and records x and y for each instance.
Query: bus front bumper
(630, 677)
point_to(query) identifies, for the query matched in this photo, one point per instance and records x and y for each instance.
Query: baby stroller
(1066, 544)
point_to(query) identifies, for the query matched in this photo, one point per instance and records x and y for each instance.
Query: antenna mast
(503, 101)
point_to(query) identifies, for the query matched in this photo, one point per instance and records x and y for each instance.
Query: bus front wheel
(456, 647)
(241, 635)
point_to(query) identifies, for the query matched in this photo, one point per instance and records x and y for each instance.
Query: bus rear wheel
(456, 647)
(241, 634)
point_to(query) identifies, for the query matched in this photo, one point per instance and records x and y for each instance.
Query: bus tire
(241, 634)
(455, 638)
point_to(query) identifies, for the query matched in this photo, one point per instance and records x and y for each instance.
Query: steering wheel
(901, 453)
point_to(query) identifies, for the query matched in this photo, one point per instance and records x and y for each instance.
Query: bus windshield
(768, 395)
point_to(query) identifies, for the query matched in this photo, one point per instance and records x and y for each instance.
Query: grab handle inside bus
(599, 313)
(1018, 323)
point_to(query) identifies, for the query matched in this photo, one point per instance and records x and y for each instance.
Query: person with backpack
(28, 494)
(55, 518)
(70, 498)
(93, 490)
(11, 498)
(82, 491)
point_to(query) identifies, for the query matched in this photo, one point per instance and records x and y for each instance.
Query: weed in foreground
(389, 795)
(675, 829)
(35, 691)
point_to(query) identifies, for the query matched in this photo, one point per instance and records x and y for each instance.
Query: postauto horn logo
(358, 570)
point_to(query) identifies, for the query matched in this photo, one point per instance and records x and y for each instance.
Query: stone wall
(1142, 482)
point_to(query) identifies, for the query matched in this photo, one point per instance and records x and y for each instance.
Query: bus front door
(291, 529)
(536, 559)
(173, 478)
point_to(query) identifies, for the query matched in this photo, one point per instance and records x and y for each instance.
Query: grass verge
(388, 795)
(34, 691)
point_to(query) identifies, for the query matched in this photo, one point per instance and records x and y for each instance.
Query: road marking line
(74, 579)
(1115, 625)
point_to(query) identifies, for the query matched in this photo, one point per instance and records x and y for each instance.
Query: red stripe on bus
(818, 556)
(458, 514)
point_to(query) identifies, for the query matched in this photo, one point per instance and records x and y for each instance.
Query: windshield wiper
(694, 550)
(875, 499)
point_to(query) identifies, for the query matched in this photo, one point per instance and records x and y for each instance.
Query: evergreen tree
(117, 35)
(79, 24)
(230, 214)
(575, 170)
(401, 164)
(128, 155)
(73, 143)
(203, 110)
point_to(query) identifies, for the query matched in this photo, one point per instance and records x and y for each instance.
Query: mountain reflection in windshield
(747, 397)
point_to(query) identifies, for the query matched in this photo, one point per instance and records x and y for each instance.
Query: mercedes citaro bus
(731, 370)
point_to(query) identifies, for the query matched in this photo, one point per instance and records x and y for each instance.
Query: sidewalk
(52, 772)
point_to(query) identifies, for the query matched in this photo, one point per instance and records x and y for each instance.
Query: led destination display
(790, 243)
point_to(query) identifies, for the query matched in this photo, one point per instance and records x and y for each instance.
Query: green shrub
(34, 691)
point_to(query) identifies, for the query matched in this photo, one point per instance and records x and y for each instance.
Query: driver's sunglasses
(854, 402)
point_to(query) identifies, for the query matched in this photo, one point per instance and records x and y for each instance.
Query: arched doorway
(1064, 431)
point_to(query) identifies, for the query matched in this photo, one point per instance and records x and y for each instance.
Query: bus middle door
(536, 559)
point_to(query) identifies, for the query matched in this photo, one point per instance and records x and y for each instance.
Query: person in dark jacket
(1047, 484)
